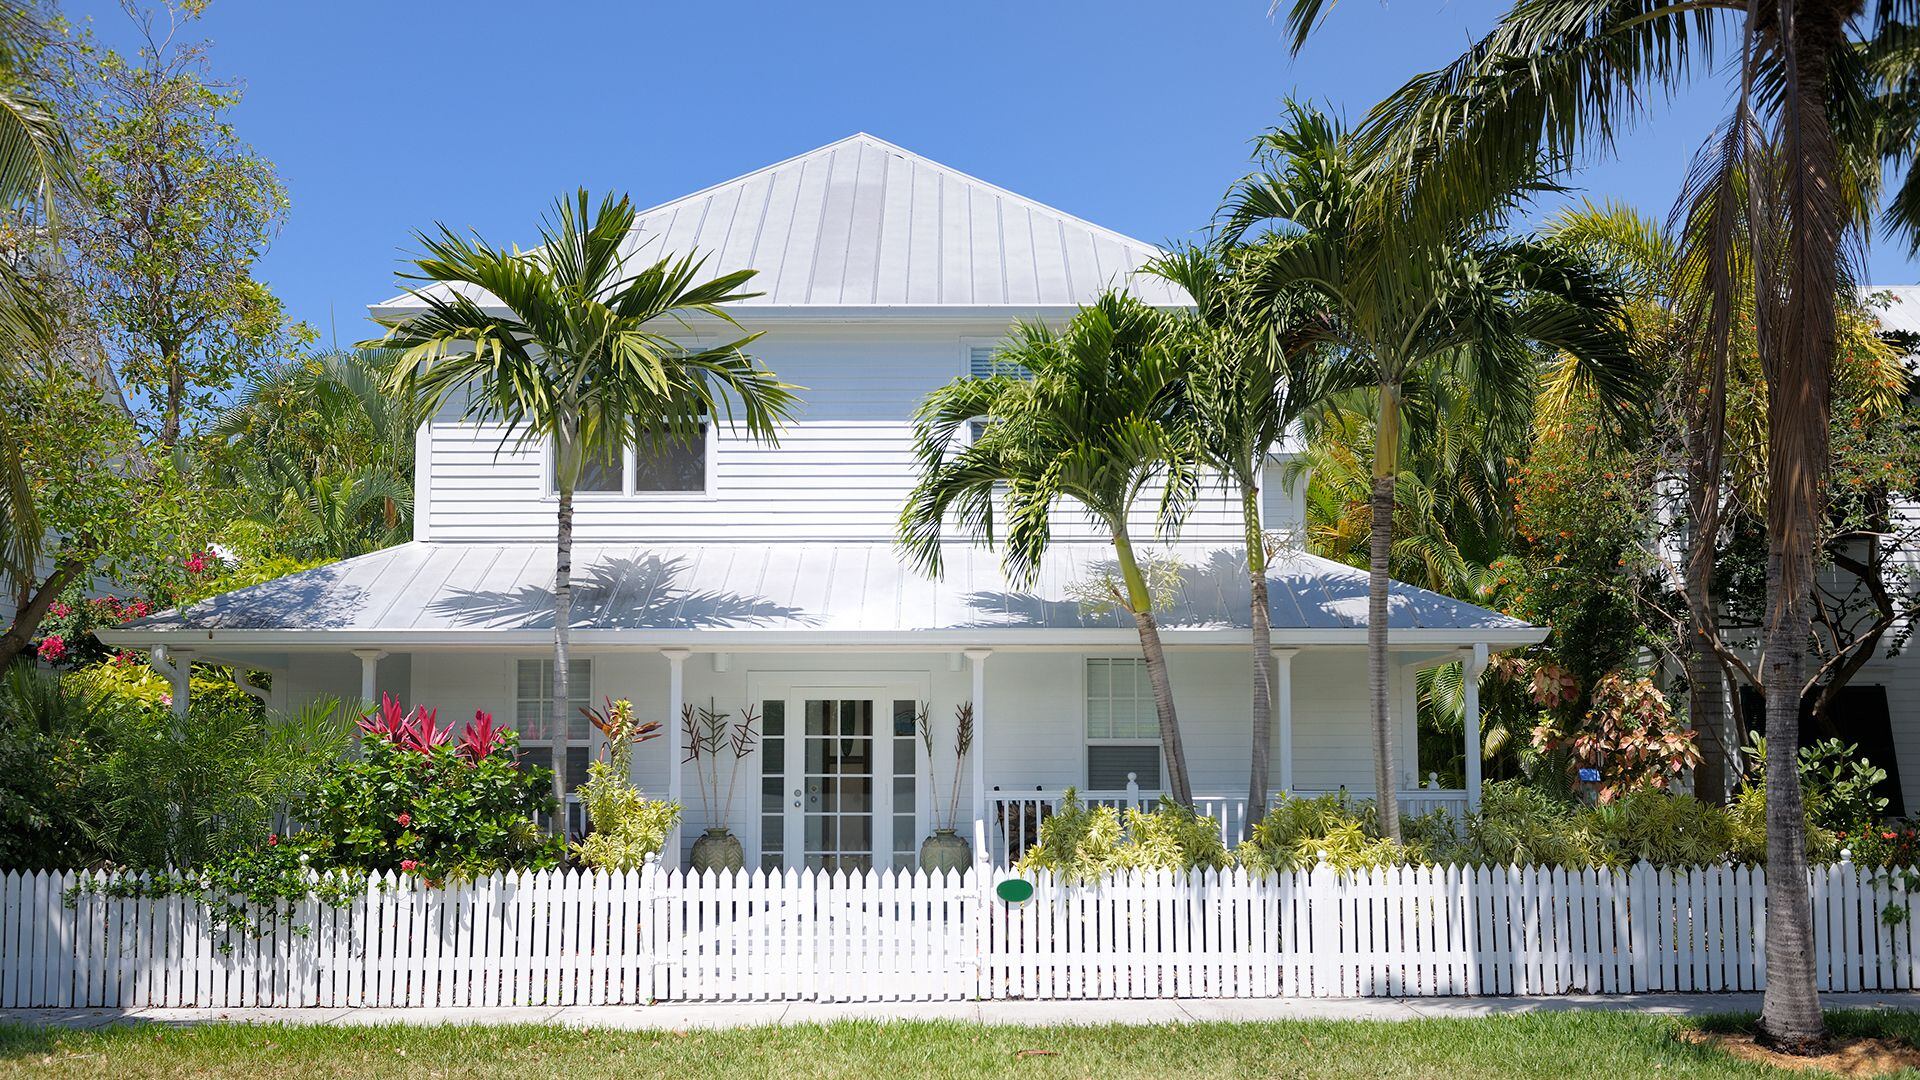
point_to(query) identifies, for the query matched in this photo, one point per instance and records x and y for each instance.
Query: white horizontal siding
(840, 472)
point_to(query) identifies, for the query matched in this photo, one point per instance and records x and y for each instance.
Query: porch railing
(1015, 816)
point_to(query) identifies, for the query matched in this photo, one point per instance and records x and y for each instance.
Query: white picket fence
(571, 938)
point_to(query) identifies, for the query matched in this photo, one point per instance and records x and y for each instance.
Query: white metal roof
(1903, 312)
(789, 593)
(862, 224)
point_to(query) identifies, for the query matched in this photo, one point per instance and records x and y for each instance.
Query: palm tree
(35, 157)
(1253, 374)
(1404, 299)
(1779, 186)
(1096, 419)
(570, 344)
(326, 453)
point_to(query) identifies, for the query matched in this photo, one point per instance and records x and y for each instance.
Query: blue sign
(1589, 776)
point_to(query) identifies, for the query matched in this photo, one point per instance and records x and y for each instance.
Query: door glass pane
(838, 784)
(773, 784)
(906, 781)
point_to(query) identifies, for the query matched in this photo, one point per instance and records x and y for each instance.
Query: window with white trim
(533, 715)
(1123, 727)
(654, 465)
(985, 361)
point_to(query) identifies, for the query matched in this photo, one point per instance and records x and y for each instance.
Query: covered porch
(838, 653)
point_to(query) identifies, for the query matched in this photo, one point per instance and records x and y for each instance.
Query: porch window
(1123, 728)
(533, 715)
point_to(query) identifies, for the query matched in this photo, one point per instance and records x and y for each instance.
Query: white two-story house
(765, 577)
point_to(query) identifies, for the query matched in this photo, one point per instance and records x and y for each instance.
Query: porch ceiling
(788, 594)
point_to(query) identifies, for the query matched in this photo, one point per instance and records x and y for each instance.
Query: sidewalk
(684, 1016)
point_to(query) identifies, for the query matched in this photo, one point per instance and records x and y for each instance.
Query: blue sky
(384, 118)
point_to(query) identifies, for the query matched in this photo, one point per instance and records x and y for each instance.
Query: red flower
(389, 721)
(1886, 836)
(480, 736)
(421, 734)
(405, 819)
(52, 648)
(409, 865)
(196, 562)
(273, 839)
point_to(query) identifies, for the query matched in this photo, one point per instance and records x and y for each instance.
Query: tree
(1093, 419)
(1408, 294)
(1557, 77)
(570, 344)
(326, 455)
(101, 517)
(1254, 373)
(168, 218)
(35, 159)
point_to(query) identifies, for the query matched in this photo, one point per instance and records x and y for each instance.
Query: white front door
(840, 778)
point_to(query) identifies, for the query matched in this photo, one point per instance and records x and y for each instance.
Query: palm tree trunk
(1799, 370)
(1707, 708)
(1380, 546)
(562, 632)
(1261, 621)
(1140, 602)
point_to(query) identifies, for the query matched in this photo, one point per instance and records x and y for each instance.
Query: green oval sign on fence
(1014, 891)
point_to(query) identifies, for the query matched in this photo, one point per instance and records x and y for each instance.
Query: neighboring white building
(751, 575)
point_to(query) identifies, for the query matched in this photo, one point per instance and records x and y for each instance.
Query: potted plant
(710, 738)
(946, 849)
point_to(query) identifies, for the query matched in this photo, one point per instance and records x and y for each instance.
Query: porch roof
(767, 594)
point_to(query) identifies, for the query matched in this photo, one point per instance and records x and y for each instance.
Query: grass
(1563, 1046)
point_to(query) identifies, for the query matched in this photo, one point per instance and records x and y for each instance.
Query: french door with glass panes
(840, 778)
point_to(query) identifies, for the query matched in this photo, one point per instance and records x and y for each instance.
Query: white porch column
(1472, 664)
(369, 666)
(177, 666)
(977, 658)
(1283, 713)
(676, 698)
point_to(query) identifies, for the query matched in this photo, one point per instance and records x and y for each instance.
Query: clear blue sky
(384, 118)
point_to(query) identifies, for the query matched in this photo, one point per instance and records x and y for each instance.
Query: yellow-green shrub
(1296, 833)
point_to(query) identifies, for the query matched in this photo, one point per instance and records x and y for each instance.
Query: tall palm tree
(1406, 297)
(1780, 186)
(573, 344)
(1095, 420)
(1254, 372)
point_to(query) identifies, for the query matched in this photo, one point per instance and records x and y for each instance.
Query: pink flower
(52, 648)
(409, 865)
(139, 609)
(273, 839)
(59, 610)
(389, 721)
(196, 562)
(405, 819)
(480, 737)
(422, 735)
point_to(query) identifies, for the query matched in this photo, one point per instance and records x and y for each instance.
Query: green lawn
(1563, 1046)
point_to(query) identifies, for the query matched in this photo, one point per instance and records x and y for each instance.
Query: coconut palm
(1094, 419)
(1406, 296)
(1254, 372)
(1779, 188)
(574, 343)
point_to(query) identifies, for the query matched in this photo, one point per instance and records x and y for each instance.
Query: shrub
(1077, 842)
(1895, 847)
(1655, 827)
(1521, 826)
(1835, 782)
(416, 802)
(628, 828)
(1296, 833)
(1173, 837)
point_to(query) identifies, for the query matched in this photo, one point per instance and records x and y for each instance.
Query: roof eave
(748, 639)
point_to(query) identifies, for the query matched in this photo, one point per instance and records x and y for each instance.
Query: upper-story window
(984, 362)
(655, 465)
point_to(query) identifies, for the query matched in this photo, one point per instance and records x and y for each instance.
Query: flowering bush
(415, 801)
(1890, 847)
(66, 634)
